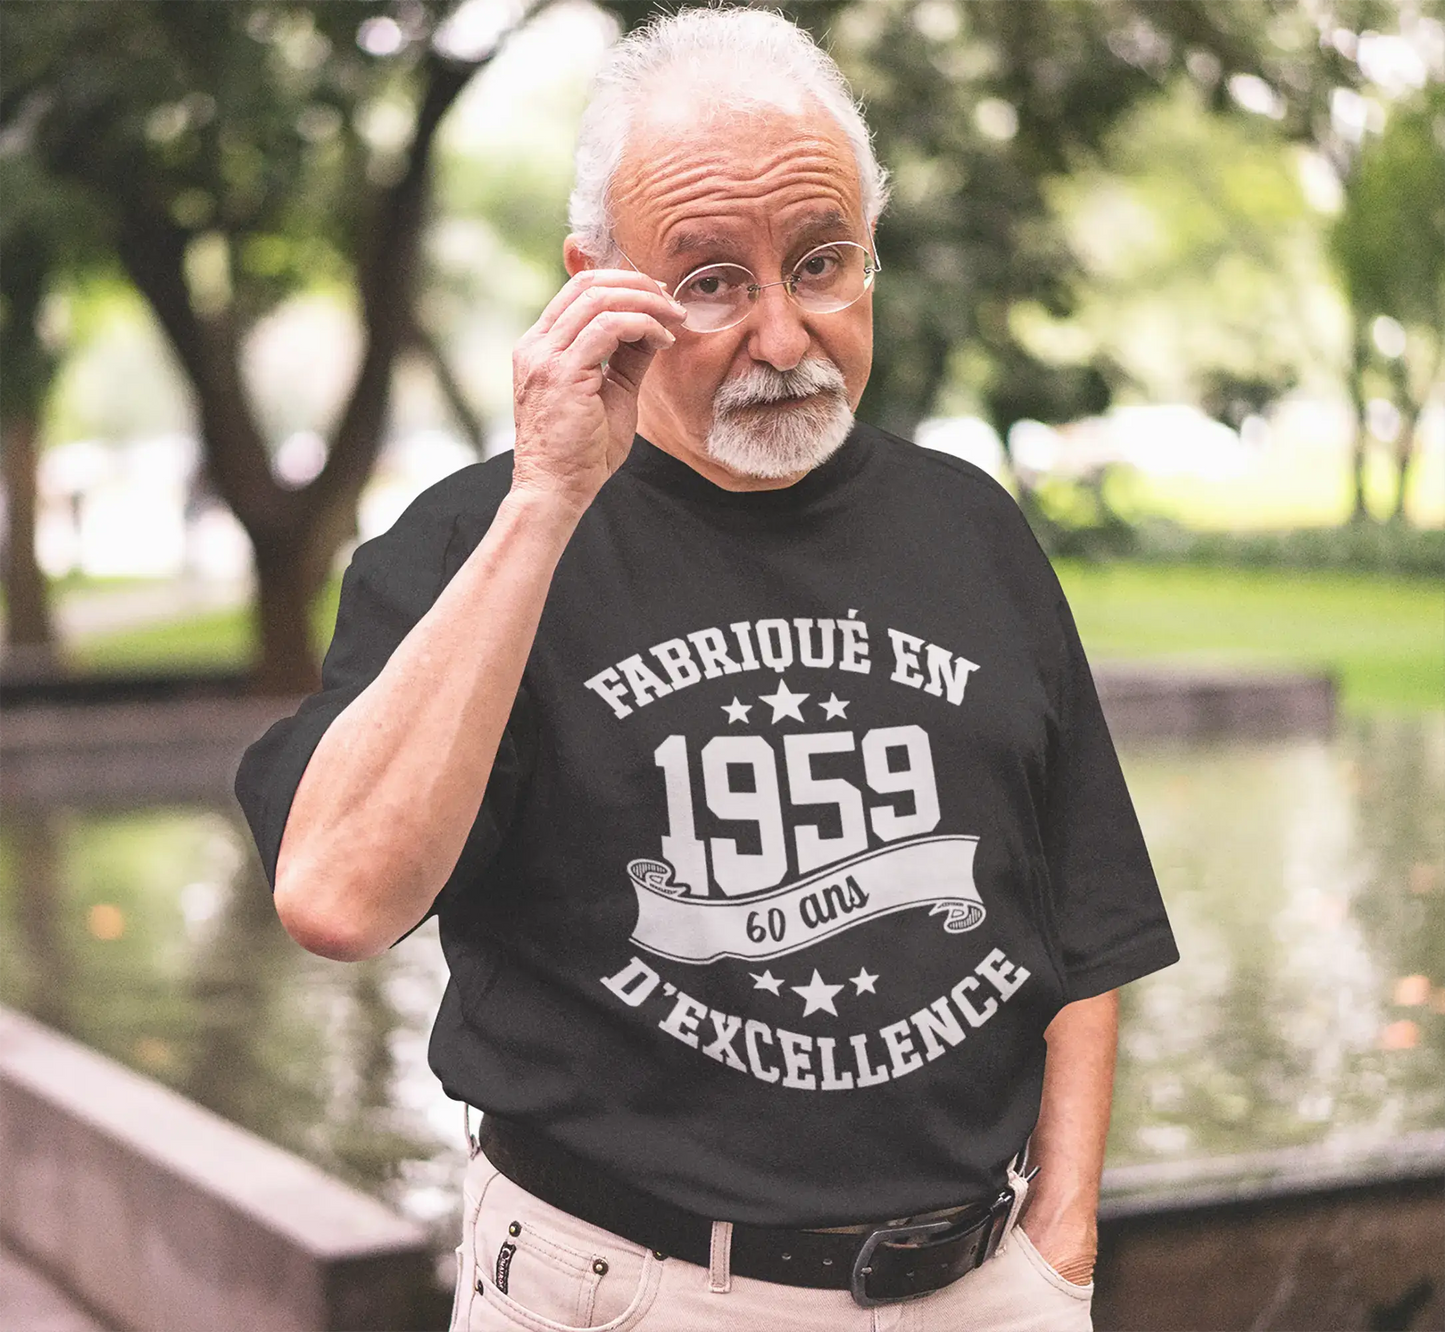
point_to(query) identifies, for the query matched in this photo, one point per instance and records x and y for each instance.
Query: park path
(30, 1302)
(85, 613)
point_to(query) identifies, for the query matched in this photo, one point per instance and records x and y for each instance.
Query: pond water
(1305, 879)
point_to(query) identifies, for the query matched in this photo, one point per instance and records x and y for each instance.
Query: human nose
(778, 333)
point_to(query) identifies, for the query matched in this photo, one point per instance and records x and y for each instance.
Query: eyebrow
(690, 242)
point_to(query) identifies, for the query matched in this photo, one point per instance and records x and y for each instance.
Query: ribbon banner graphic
(936, 872)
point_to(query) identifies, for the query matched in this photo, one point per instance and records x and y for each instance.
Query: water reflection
(1304, 883)
(149, 935)
(1305, 880)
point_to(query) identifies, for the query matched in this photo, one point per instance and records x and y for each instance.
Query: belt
(882, 1264)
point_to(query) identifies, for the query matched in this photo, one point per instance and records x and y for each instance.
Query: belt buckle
(996, 1220)
(858, 1280)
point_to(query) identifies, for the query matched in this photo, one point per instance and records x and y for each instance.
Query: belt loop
(1020, 1185)
(720, 1271)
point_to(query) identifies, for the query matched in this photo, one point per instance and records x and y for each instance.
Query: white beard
(755, 440)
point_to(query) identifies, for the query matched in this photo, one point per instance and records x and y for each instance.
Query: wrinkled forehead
(693, 161)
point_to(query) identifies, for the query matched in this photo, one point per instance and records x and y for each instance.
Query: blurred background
(1172, 270)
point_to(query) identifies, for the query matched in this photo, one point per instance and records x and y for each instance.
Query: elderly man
(749, 758)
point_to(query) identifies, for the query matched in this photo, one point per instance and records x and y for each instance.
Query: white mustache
(763, 384)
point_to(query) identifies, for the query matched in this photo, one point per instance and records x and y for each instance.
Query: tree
(978, 106)
(1389, 246)
(47, 236)
(231, 155)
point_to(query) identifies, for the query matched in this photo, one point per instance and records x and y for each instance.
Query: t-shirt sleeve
(391, 582)
(1108, 909)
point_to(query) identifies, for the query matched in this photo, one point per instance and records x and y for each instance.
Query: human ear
(574, 257)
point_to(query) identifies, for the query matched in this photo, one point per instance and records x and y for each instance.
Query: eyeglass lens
(828, 278)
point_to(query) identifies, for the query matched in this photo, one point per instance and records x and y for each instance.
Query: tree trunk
(1405, 451)
(1407, 447)
(467, 419)
(1359, 513)
(30, 629)
(287, 587)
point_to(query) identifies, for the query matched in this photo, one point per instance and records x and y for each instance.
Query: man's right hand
(575, 377)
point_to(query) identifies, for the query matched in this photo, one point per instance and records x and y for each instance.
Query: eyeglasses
(830, 277)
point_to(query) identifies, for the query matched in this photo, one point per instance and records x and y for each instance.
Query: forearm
(1068, 1141)
(393, 787)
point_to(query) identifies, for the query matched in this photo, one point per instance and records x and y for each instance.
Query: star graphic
(864, 981)
(767, 981)
(835, 707)
(737, 712)
(784, 703)
(817, 994)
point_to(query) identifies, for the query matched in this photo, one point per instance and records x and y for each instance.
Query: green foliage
(45, 232)
(239, 123)
(1389, 240)
(977, 106)
(1394, 549)
(1097, 519)
(1389, 247)
(1203, 275)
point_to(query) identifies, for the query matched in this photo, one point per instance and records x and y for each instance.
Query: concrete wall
(1207, 703)
(1290, 1239)
(160, 1215)
(130, 753)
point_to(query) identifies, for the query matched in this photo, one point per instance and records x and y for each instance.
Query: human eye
(716, 283)
(828, 270)
(820, 264)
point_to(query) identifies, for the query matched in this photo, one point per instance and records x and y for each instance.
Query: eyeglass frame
(754, 289)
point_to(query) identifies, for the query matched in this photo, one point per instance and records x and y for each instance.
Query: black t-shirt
(805, 824)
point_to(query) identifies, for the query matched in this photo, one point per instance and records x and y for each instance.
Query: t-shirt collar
(660, 469)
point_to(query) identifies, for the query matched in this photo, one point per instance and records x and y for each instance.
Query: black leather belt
(883, 1264)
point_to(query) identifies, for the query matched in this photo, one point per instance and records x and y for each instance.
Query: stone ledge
(189, 748)
(1313, 1171)
(130, 753)
(160, 1215)
(1193, 702)
(30, 1302)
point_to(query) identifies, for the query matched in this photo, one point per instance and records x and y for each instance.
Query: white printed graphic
(792, 825)
(930, 871)
(739, 873)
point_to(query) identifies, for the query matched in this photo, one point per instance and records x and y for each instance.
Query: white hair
(754, 434)
(737, 58)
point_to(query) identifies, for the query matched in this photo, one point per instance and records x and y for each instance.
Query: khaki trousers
(524, 1264)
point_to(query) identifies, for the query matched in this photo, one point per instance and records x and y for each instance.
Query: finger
(601, 339)
(585, 281)
(627, 366)
(595, 300)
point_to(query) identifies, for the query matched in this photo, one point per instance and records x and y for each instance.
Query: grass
(1383, 638)
(216, 640)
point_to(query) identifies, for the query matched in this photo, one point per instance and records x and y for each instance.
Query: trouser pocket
(535, 1266)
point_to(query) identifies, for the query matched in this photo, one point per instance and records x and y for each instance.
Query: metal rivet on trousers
(599, 1265)
(481, 1288)
(787, 1257)
(827, 1262)
(658, 1254)
(514, 1228)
